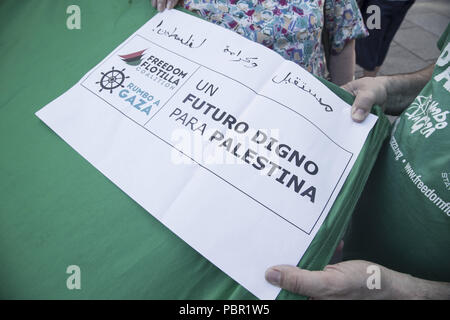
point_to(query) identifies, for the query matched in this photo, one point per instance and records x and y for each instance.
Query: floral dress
(291, 28)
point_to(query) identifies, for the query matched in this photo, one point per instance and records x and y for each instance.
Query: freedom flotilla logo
(161, 71)
(133, 59)
(112, 79)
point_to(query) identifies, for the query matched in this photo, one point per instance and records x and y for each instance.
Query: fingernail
(273, 276)
(160, 6)
(359, 114)
(170, 4)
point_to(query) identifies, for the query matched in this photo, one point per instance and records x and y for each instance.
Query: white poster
(236, 150)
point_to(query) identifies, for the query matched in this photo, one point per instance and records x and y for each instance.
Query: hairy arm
(393, 93)
(403, 88)
(430, 290)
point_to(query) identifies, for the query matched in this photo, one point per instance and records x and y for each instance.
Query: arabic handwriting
(288, 79)
(189, 42)
(248, 62)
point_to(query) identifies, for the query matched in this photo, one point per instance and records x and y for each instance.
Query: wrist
(391, 93)
(386, 87)
(399, 286)
(407, 288)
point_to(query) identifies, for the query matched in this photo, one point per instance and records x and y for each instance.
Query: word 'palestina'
(248, 155)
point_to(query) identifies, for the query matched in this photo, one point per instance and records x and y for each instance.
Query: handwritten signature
(248, 61)
(189, 42)
(302, 86)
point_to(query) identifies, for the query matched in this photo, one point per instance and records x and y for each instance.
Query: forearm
(342, 65)
(402, 89)
(405, 286)
(424, 289)
(433, 290)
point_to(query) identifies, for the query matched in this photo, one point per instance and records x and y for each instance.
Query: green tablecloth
(57, 210)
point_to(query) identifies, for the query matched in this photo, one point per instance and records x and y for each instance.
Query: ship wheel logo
(112, 79)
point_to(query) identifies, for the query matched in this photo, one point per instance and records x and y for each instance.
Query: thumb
(299, 281)
(364, 100)
(361, 106)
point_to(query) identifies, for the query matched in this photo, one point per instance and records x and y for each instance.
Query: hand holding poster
(236, 150)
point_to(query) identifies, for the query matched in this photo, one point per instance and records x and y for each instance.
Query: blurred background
(414, 45)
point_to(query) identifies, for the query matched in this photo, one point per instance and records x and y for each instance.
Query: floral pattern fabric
(291, 28)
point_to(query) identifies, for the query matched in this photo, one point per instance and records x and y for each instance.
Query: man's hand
(345, 280)
(368, 91)
(393, 93)
(164, 4)
(349, 280)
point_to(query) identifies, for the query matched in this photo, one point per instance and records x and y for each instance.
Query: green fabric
(57, 210)
(403, 218)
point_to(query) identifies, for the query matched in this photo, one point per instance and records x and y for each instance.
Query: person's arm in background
(343, 24)
(393, 93)
(342, 65)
